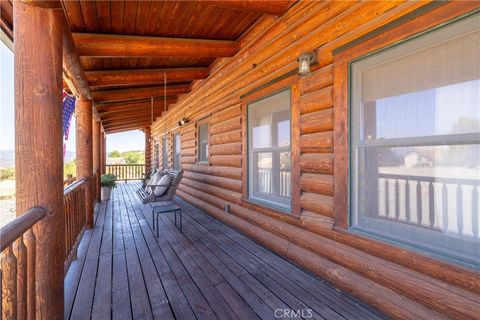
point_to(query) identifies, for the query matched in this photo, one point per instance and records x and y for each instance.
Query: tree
(69, 168)
(114, 154)
(134, 157)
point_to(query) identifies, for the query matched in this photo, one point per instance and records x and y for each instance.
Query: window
(269, 159)
(203, 142)
(176, 151)
(415, 142)
(156, 154)
(165, 152)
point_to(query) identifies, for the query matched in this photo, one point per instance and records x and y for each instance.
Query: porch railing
(95, 185)
(68, 181)
(126, 171)
(74, 212)
(429, 201)
(264, 180)
(19, 248)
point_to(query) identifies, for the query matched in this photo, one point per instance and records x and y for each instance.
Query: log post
(96, 132)
(104, 153)
(84, 153)
(148, 159)
(102, 147)
(39, 148)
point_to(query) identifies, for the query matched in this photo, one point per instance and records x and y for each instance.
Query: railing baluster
(397, 199)
(30, 244)
(9, 284)
(445, 220)
(387, 199)
(459, 209)
(431, 204)
(1, 291)
(407, 201)
(21, 254)
(475, 212)
(419, 203)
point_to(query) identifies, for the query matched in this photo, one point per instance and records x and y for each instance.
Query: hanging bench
(148, 196)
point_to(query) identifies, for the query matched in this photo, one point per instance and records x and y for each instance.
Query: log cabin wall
(399, 282)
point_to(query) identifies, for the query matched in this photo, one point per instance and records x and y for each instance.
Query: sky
(7, 138)
(125, 141)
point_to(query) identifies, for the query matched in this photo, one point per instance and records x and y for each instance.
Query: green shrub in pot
(108, 182)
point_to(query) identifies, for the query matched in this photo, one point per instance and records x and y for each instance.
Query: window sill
(203, 163)
(262, 207)
(423, 251)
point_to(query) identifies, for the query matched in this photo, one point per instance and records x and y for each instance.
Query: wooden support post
(147, 149)
(84, 153)
(102, 148)
(104, 153)
(96, 155)
(39, 151)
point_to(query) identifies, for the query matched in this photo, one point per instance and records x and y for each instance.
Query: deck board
(209, 272)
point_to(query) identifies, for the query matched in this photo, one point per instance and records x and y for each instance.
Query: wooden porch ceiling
(126, 47)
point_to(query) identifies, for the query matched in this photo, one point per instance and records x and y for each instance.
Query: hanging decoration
(68, 108)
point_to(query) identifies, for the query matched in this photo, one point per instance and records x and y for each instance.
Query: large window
(415, 142)
(269, 159)
(203, 142)
(176, 151)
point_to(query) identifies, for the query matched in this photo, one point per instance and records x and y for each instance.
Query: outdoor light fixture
(304, 62)
(182, 122)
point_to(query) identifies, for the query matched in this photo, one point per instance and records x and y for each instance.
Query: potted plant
(108, 182)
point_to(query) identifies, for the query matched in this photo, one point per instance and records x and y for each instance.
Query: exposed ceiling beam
(130, 114)
(107, 45)
(73, 73)
(116, 123)
(127, 121)
(138, 93)
(276, 8)
(143, 76)
(125, 129)
(139, 125)
(137, 106)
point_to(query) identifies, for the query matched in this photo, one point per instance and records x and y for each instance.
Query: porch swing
(162, 185)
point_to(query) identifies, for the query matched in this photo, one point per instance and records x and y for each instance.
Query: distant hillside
(7, 158)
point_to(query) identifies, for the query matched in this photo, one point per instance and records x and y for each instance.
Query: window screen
(176, 152)
(415, 142)
(269, 155)
(203, 143)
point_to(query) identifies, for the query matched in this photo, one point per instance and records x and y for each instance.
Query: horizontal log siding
(400, 283)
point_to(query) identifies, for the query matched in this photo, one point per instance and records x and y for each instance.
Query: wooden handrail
(450, 180)
(69, 181)
(70, 188)
(13, 230)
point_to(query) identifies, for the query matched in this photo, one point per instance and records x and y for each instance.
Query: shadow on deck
(209, 272)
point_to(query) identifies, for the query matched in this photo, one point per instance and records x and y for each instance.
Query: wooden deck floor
(209, 272)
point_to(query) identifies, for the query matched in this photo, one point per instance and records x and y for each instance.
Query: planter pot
(106, 191)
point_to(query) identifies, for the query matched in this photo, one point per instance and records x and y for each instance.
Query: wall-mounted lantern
(182, 122)
(304, 62)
